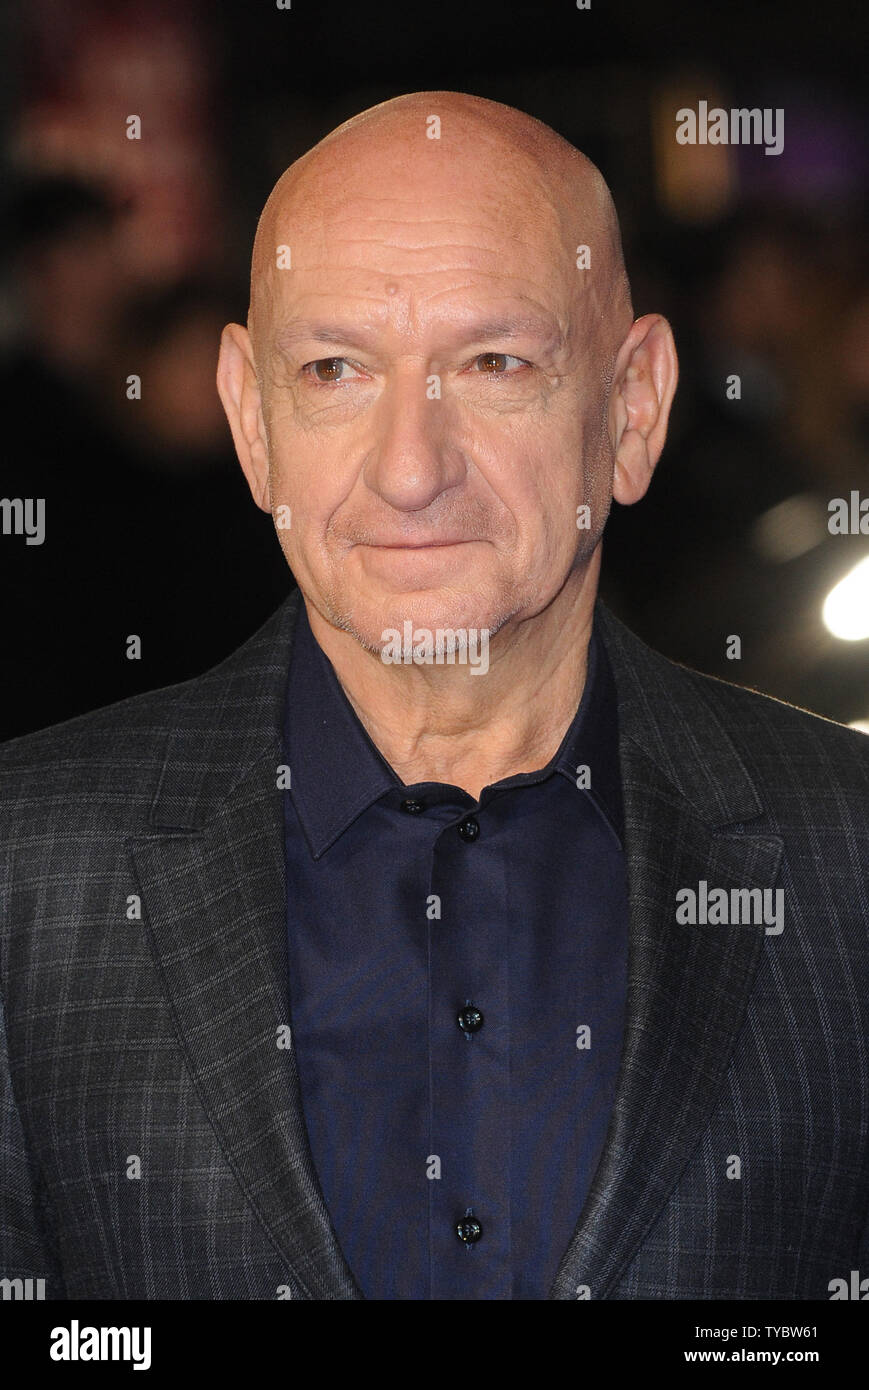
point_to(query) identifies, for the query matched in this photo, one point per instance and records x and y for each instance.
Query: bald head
(434, 148)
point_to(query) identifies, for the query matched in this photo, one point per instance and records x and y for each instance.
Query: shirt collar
(337, 772)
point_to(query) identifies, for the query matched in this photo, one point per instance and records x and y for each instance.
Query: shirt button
(469, 829)
(469, 1230)
(412, 807)
(470, 1020)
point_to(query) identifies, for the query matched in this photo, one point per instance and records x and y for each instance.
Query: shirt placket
(469, 1065)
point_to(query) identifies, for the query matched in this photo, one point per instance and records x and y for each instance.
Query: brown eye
(493, 362)
(328, 369)
(497, 364)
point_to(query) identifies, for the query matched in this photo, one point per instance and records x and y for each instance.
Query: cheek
(569, 499)
(558, 484)
(306, 497)
(301, 471)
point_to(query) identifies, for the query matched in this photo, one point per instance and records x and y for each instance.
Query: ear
(644, 383)
(239, 392)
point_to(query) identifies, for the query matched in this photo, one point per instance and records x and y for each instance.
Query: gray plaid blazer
(152, 1143)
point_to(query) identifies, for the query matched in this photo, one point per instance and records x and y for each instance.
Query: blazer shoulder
(781, 739)
(728, 747)
(111, 755)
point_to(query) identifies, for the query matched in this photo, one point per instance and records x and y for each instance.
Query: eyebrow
(518, 326)
(300, 330)
(360, 335)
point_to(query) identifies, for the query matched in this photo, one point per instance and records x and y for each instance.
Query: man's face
(434, 399)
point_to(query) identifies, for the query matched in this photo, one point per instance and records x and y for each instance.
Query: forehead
(423, 233)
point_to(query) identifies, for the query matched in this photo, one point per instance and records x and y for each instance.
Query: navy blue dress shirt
(457, 975)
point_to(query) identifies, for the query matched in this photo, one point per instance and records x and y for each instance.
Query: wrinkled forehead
(421, 225)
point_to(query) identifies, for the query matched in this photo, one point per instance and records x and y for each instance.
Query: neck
(441, 723)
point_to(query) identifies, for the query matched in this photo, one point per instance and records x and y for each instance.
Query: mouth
(418, 545)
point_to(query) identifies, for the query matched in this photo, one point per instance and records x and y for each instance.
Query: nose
(416, 454)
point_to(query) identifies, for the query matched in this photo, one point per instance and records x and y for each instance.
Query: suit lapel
(213, 897)
(688, 986)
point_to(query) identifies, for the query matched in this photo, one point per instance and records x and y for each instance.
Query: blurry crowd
(124, 258)
(119, 286)
(733, 536)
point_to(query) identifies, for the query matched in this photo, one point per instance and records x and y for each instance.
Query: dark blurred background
(127, 257)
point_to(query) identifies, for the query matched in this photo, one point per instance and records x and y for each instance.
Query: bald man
(444, 942)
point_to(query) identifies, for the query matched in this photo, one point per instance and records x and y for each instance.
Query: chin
(371, 623)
